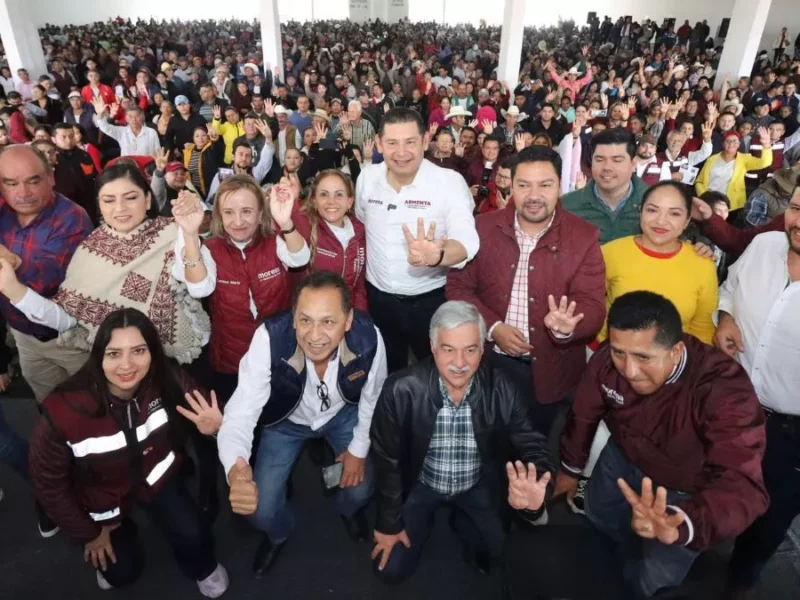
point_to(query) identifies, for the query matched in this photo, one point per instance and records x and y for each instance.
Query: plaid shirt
(45, 246)
(453, 463)
(519, 302)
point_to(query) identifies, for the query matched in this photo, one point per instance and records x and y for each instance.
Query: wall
(783, 12)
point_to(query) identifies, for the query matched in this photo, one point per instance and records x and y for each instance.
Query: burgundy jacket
(702, 434)
(733, 240)
(328, 255)
(82, 466)
(567, 262)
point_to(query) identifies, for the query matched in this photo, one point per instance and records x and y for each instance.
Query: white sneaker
(102, 583)
(215, 584)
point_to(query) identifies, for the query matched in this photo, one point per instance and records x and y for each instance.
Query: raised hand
(213, 134)
(701, 211)
(244, 492)
(459, 150)
(763, 135)
(473, 123)
(217, 113)
(562, 318)
(580, 181)
(423, 250)
(188, 211)
(320, 130)
(206, 417)
(519, 142)
(604, 101)
(269, 108)
(368, 150)
(263, 128)
(650, 519)
(281, 203)
(707, 129)
(488, 126)
(432, 129)
(525, 492)
(347, 130)
(99, 106)
(162, 159)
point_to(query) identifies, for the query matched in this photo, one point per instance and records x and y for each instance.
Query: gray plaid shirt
(453, 463)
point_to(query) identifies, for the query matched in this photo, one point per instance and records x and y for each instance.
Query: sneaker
(576, 502)
(215, 584)
(47, 528)
(102, 582)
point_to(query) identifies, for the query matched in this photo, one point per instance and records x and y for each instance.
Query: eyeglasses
(322, 394)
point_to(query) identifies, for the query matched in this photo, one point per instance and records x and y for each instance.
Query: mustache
(457, 370)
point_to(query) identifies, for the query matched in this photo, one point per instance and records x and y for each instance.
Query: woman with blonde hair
(241, 268)
(335, 236)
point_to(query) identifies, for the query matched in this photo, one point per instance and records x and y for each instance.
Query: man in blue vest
(314, 372)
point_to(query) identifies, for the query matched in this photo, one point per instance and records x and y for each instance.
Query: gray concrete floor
(319, 562)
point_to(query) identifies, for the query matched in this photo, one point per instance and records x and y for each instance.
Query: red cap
(732, 133)
(175, 165)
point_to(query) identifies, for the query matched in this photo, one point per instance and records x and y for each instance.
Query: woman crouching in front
(112, 437)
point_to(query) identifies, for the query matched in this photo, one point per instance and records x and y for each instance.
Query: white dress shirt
(764, 302)
(243, 410)
(436, 195)
(144, 144)
(206, 286)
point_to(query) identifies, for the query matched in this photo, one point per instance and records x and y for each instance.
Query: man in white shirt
(759, 326)
(418, 219)
(134, 139)
(321, 380)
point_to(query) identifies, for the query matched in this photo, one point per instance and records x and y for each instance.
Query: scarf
(112, 270)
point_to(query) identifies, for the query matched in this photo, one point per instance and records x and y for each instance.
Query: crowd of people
(205, 255)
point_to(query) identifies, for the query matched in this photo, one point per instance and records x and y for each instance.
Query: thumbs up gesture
(244, 492)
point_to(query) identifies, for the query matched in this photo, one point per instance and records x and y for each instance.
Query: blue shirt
(619, 206)
(300, 122)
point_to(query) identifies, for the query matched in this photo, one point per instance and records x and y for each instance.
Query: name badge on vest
(357, 375)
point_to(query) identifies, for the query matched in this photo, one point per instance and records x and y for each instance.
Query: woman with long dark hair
(112, 437)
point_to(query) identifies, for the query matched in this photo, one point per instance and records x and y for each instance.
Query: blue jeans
(280, 446)
(13, 449)
(649, 564)
(477, 522)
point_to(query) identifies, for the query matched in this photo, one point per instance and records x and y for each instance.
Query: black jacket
(403, 423)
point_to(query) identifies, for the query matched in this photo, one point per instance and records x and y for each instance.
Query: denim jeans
(13, 449)
(280, 446)
(481, 527)
(781, 470)
(176, 515)
(649, 564)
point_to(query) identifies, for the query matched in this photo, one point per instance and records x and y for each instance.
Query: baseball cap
(74, 95)
(181, 100)
(175, 165)
(165, 65)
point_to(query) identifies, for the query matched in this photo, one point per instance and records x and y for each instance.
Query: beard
(793, 245)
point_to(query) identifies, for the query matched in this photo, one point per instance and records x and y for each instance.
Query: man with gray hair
(443, 433)
(354, 127)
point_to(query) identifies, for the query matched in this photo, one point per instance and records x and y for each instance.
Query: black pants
(519, 369)
(403, 322)
(175, 514)
(540, 563)
(781, 469)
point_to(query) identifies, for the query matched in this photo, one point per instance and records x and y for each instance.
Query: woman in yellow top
(658, 261)
(724, 172)
(231, 129)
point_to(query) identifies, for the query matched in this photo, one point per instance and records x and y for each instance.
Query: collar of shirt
(521, 235)
(417, 181)
(606, 204)
(679, 368)
(448, 399)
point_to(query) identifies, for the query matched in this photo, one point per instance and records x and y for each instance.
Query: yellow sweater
(686, 279)
(229, 133)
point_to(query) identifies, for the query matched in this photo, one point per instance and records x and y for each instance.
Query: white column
(271, 36)
(748, 20)
(511, 42)
(21, 39)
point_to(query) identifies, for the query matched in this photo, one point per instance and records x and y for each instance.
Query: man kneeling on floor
(681, 414)
(313, 373)
(443, 433)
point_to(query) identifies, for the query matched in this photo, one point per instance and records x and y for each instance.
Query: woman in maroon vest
(242, 268)
(335, 236)
(112, 437)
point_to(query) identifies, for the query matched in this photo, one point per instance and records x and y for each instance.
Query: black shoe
(317, 451)
(47, 528)
(266, 555)
(577, 502)
(357, 526)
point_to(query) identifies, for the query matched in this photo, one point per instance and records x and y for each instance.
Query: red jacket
(327, 255)
(566, 262)
(106, 93)
(733, 240)
(80, 465)
(17, 132)
(702, 434)
(232, 322)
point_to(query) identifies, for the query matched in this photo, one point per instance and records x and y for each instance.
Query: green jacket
(612, 225)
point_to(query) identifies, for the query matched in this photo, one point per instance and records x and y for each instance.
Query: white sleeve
(204, 287)
(359, 445)
(112, 131)
(361, 201)
(235, 437)
(292, 260)
(264, 163)
(43, 311)
(212, 191)
(700, 155)
(727, 291)
(460, 220)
